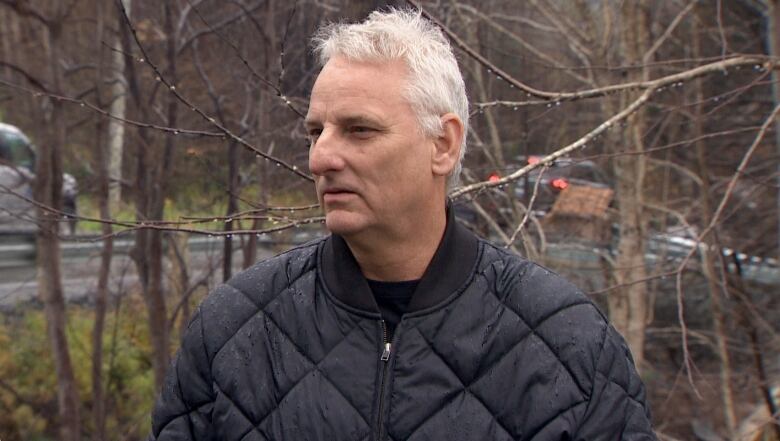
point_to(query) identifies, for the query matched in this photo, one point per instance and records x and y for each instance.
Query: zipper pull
(386, 353)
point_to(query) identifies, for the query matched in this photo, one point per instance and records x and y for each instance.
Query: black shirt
(393, 300)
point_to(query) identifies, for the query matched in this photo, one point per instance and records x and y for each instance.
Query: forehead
(358, 85)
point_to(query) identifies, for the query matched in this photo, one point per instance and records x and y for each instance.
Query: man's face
(372, 164)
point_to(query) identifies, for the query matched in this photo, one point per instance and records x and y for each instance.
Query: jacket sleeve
(183, 410)
(617, 409)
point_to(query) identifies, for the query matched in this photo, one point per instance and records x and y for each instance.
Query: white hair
(435, 85)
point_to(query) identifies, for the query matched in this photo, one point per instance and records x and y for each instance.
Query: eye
(313, 134)
(361, 131)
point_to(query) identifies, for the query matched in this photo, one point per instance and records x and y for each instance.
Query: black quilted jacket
(494, 348)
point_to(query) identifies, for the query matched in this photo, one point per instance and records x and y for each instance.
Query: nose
(324, 153)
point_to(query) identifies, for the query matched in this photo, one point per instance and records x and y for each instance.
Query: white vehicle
(17, 172)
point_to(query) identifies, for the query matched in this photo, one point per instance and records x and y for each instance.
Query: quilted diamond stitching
(316, 367)
(442, 408)
(555, 417)
(260, 309)
(189, 410)
(186, 414)
(622, 388)
(252, 431)
(237, 407)
(533, 332)
(511, 350)
(465, 390)
(238, 328)
(256, 428)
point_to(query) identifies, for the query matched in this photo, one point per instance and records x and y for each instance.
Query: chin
(345, 223)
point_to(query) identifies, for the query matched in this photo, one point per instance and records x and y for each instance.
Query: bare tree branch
(549, 159)
(669, 29)
(172, 88)
(713, 222)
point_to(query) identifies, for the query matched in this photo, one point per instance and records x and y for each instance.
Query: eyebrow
(357, 120)
(349, 120)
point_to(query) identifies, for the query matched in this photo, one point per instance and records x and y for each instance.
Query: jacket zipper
(385, 357)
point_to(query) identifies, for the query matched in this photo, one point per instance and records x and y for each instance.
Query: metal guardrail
(674, 249)
(20, 250)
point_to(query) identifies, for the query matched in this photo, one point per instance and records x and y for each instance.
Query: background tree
(669, 103)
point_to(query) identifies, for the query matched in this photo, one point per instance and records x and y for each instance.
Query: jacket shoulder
(232, 303)
(263, 280)
(556, 311)
(579, 335)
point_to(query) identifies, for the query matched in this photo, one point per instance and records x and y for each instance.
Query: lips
(334, 194)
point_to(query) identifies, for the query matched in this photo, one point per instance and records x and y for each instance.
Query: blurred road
(81, 263)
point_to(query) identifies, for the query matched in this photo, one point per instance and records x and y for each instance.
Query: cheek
(401, 164)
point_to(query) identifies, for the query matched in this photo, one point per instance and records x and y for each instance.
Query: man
(401, 324)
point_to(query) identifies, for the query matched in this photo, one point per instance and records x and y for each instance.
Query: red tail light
(559, 183)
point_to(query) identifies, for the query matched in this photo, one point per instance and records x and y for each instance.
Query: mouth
(336, 194)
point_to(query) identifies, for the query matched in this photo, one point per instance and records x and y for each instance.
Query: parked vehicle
(553, 180)
(17, 172)
(560, 175)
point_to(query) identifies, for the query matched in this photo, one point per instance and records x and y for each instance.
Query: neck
(403, 254)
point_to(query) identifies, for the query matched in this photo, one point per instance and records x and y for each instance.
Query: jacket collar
(451, 267)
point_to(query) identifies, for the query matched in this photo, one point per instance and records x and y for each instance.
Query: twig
(724, 42)
(96, 109)
(687, 75)
(713, 222)
(176, 226)
(669, 29)
(275, 87)
(172, 89)
(549, 159)
(528, 209)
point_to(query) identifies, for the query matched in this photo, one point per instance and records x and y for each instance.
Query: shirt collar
(451, 267)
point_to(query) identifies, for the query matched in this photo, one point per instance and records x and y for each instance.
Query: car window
(584, 173)
(15, 149)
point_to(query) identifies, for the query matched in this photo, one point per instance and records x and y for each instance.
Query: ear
(446, 147)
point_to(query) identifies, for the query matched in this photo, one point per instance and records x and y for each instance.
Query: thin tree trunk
(232, 208)
(101, 293)
(773, 40)
(712, 246)
(155, 295)
(150, 188)
(141, 189)
(179, 257)
(263, 125)
(629, 306)
(744, 319)
(116, 128)
(48, 191)
(7, 38)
